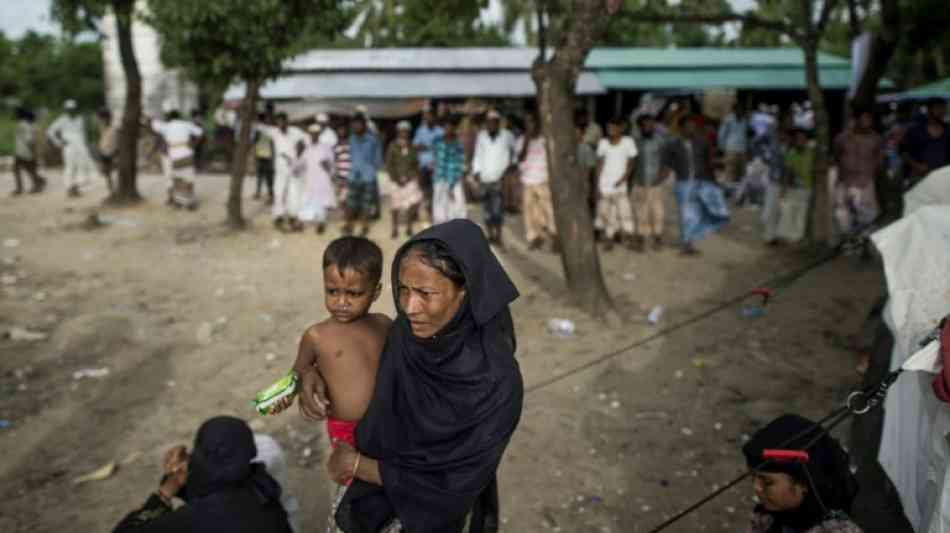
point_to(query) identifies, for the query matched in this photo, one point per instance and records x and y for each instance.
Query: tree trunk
(821, 231)
(883, 46)
(239, 163)
(126, 191)
(556, 80)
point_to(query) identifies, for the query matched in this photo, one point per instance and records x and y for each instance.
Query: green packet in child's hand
(285, 386)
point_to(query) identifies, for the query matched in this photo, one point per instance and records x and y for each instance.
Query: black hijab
(221, 460)
(831, 485)
(444, 408)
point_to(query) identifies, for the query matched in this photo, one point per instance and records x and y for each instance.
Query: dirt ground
(191, 320)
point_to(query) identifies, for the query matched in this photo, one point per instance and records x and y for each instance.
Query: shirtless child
(345, 348)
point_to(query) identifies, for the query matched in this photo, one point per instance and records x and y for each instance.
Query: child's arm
(312, 390)
(306, 366)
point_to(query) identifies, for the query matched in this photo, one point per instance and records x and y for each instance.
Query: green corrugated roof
(938, 88)
(708, 57)
(707, 68)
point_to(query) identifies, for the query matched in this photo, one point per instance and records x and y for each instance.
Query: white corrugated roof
(428, 59)
(407, 85)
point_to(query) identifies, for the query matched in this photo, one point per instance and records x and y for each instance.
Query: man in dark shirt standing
(926, 145)
(688, 156)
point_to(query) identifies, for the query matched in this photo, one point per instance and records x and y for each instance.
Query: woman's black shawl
(444, 408)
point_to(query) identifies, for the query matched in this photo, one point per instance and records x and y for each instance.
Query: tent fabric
(932, 190)
(915, 451)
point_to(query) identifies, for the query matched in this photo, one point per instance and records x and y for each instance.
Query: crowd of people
(500, 161)
(437, 168)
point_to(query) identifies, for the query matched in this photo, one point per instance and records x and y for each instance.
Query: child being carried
(346, 347)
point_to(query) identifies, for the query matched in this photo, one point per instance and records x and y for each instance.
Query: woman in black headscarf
(222, 489)
(794, 497)
(448, 394)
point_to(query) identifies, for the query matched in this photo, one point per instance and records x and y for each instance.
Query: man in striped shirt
(341, 154)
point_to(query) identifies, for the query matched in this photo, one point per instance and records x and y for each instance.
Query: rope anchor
(863, 401)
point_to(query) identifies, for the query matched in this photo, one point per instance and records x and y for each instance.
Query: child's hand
(282, 405)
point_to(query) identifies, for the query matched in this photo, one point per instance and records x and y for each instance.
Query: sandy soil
(616, 447)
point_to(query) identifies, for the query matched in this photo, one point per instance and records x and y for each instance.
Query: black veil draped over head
(444, 408)
(221, 460)
(828, 471)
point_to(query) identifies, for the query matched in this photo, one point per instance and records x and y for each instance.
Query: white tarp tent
(915, 450)
(933, 190)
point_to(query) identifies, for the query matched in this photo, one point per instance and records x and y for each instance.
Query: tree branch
(542, 31)
(826, 9)
(784, 27)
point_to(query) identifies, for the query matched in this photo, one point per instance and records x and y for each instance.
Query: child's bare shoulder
(381, 321)
(321, 332)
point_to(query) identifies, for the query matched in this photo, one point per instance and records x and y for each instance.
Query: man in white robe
(180, 137)
(314, 168)
(289, 144)
(68, 132)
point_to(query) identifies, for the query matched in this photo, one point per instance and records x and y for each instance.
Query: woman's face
(428, 298)
(777, 491)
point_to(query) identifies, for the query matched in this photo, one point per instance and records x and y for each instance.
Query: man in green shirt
(796, 200)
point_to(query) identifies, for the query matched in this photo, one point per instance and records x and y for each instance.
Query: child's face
(349, 294)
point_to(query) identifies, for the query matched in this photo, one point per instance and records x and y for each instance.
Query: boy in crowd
(615, 156)
(345, 348)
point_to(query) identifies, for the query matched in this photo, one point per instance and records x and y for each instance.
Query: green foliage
(923, 53)
(220, 41)
(625, 32)
(388, 23)
(77, 16)
(7, 134)
(43, 71)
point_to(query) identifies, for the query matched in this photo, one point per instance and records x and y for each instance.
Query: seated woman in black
(223, 490)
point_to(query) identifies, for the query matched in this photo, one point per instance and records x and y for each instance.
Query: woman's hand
(176, 472)
(341, 463)
(313, 401)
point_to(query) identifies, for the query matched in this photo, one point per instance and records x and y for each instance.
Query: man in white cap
(494, 156)
(68, 133)
(370, 124)
(402, 164)
(289, 144)
(327, 135)
(314, 169)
